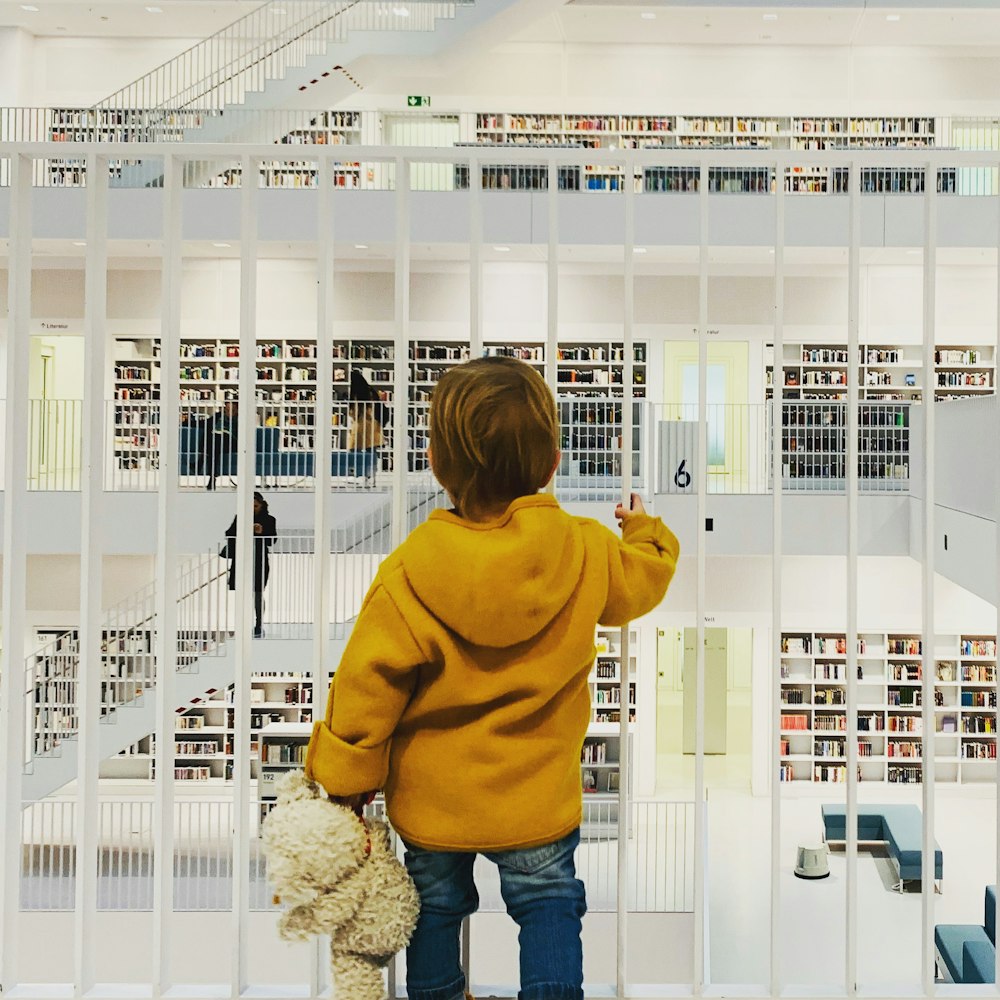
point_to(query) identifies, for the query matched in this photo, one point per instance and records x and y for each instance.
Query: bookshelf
(884, 372)
(136, 387)
(964, 370)
(285, 389)
(890, 720)
(600, 757)
(204, 734)
(282, 749)
(330, 128)
(814, 445)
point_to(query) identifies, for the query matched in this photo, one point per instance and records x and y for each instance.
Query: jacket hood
(496, 583)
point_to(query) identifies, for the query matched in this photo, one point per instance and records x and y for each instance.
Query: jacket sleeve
(640, 568)
(349, 750)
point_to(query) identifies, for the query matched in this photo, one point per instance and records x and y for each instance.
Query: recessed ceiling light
(638, 249)
(502, 249)
(360, 246)
(893, 17)
(770, 17)
(29, 7)
(222, 246)
(648, 15)
(401, 11)
(79, 243)
(154, 10)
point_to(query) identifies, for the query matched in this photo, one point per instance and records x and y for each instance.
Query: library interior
(753, 248)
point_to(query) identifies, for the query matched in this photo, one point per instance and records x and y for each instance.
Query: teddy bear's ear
(295, 786)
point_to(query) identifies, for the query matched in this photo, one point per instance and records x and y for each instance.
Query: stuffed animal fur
(319, 864)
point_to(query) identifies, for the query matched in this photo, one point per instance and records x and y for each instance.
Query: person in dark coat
(221, 438)
(265, 531)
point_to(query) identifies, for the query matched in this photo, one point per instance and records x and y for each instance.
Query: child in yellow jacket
(463, 689)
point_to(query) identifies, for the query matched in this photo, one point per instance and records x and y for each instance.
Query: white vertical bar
(927, 579)
(326, 265)
(552, 285)
(475, 258)
(777, 542)
(624, 729)
(996, 518)
(13, 713)
(244, 577)
(700, 895)
(91, 576)
(851, 489)
(400, 403)
(166, 579)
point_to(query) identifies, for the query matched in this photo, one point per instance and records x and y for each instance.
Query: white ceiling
(194, 19)
(622, 23)
(715, 22)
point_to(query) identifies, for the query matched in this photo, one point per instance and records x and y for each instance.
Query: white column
(401, 350)
(15, 714)
(996, 519)
(700, 846)
(927, 580)
(166, 578)
(475, 258)
(777, 529)
(326, 310)
(624, 730)
(851, 490)
(552, 285)
(245, 468)
(91, 576)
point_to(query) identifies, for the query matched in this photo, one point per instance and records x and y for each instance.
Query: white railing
(814, 447)
(285, 437)
(262, 46)
(660, 856)
(55, 444)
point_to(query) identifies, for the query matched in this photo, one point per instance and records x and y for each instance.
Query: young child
(463, 690)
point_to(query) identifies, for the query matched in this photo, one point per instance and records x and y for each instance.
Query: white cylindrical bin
(813, 861)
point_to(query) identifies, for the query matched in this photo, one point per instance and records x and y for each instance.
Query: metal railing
(263, 45)
(55, 444)
(660, 856)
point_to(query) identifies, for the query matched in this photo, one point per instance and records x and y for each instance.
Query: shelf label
(415, 101)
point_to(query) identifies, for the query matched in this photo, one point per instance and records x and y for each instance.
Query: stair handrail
(217, 75)
(51, 664)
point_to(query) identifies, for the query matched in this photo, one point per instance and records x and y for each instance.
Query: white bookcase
(204, 735)
(885, 371)
(600, 761)
(890, 723)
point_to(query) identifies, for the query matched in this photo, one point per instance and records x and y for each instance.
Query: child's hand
(356, 803)
(635, 507)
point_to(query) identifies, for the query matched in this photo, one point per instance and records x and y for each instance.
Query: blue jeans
(543, 896)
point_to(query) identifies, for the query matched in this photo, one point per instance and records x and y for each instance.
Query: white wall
(79, 72)
(697, 79)
(17, 48)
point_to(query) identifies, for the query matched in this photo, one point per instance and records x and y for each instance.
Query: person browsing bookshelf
(463, 689)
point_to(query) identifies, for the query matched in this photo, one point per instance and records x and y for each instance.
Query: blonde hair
(494, 433)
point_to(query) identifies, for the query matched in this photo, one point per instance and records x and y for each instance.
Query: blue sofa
(899, 826)
(966, 953)
(270, 459)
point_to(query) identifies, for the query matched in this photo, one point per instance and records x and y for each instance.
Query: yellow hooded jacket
(463, 689)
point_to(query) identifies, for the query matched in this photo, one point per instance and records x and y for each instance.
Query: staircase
(205, 661)
(128, 675)
(221, 89)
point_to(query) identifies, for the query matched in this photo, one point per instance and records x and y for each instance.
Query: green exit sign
(415, 101)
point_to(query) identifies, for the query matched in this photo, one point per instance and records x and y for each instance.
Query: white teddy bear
(338, 875)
